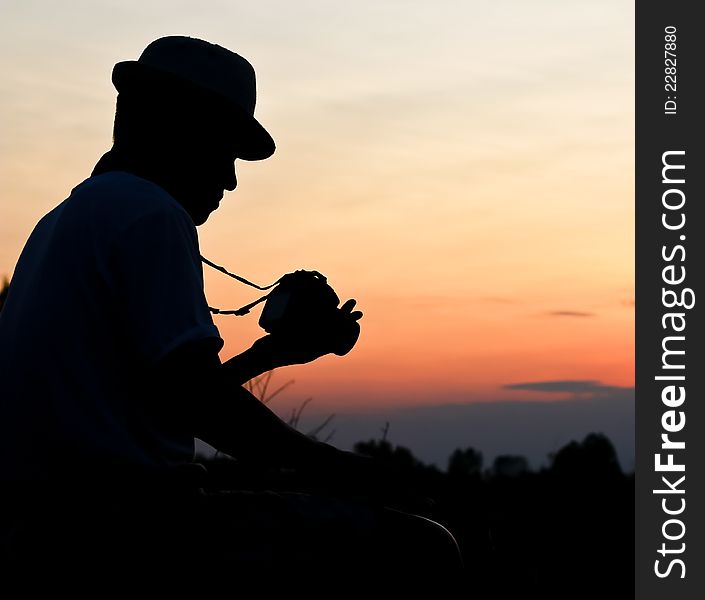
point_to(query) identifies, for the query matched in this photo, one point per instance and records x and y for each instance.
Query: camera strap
(244, 309)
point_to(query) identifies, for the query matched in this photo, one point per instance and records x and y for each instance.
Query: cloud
(569, 313)
(576, 387)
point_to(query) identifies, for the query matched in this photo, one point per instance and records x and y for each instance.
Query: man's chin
(201, 215)
(199, 211)
(200, 219)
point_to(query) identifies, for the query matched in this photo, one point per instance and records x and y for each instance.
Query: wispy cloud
(579, 388)
(569, 313)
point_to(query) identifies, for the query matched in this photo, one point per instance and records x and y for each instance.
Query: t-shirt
(109, 283)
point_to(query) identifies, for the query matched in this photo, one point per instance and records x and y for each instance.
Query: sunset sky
(463, 169)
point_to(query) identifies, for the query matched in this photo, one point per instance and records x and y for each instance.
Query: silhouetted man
(109, 354)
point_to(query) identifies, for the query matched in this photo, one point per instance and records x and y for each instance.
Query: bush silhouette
(465, 463)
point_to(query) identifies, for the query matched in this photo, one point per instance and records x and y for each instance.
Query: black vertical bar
(669, 99)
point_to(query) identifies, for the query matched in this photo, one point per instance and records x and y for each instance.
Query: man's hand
(302, 344)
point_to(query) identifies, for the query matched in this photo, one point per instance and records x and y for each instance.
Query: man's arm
(274, 351)
(206, 398)
(250, 364)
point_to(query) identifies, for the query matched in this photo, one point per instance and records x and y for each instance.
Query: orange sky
(463, 169)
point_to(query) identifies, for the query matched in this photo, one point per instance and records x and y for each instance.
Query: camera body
(300, 298)
(303, 303)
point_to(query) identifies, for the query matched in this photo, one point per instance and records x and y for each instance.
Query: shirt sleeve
(161, 302)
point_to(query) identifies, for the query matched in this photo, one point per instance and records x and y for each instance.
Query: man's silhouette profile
(110, 367)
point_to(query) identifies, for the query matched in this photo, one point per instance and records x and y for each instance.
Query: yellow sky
(464, 169)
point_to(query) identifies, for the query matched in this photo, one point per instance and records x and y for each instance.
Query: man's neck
(129, 162)
(115, 160)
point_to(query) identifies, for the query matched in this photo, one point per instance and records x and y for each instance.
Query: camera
(304, 303)
(301, 303)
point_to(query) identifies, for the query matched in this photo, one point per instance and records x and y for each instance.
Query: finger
(357, 315)
(349, 305)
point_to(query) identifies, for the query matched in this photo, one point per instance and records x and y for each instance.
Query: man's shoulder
(129, 190)
(122, 199)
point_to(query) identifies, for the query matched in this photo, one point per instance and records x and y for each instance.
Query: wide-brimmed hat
(192, 65)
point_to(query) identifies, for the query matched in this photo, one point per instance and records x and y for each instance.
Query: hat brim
(254, 141)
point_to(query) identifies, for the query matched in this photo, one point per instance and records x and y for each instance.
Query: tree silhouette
(398, 456)
(594, 457)
(510, 465)
(465, 463)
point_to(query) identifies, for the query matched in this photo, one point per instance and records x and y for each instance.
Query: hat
(185, 63)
